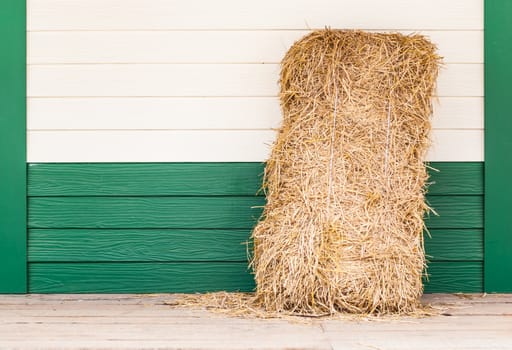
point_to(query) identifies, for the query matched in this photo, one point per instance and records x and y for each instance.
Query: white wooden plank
(203, 146)
(153, 113)
(206, 46)
(457, 146)
(153, 80)
(148, 146)
(263, 14)
(203, 113)
(198, 80)
(458, 113)
(461, 80)
(458, 46)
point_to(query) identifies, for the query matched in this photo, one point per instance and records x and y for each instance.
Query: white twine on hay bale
(342, 230)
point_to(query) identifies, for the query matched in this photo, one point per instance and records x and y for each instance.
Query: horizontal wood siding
(127, 245)
(137, 80)
(202, 113)
(217, 179)
(163, 227)
(463, 276)
(267, 14)
(454, 245)
(140, 277)
(203, 145)
(145, 212)
(237, 80)
(219, 46)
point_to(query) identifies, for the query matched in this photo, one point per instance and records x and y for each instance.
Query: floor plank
(99, 321)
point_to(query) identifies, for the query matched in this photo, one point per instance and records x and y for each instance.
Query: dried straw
(345, 182)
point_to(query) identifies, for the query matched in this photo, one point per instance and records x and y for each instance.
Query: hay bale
(345, 182)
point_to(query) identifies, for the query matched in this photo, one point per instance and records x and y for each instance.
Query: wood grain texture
(166, 179)
(203, 146)
(206, 46)
(145, 179)
(201, 277)
(456, 178)
(144, 212)
(143, 245)
(446, 277)
(203, 212)
(454, 245)
(138, 277)
(455, 212)
(166, 80)
(264, 14)
(160, 203)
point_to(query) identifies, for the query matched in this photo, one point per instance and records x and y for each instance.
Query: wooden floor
(147, 322)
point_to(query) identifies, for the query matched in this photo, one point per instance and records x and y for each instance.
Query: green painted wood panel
(144, 212)
(456, 178)
(102, 237)
(94, 245)
(456, 212)
(163, 179)
(201, 277)
(139, 277)
(147, 179)
(498, 146)
(13, 269)
(203, 212)
(448, 277)
(454, 245)
(99, 245)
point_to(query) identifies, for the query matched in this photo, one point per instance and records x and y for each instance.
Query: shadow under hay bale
(345, 182)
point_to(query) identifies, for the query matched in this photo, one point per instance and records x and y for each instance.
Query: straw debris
(345, 182)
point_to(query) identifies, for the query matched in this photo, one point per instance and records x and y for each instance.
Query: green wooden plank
(99, 245)
(13, 269)
(139, 277)
(444, 277)
(93, 245)
(456, 178)
(133, 179)
(162, 179)
(203, 212)
(498, 146)
(144, 212)
(455, 245)
(451, 277)
(455, 212)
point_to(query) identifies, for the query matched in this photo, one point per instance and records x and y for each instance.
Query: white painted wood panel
(206, 46)
(458, 113)
(203, 146)
(194, 113)
(149, 146)
(198, 80)
(262, 14)
(174, 80)
(457, 145)
(153, 80)
(153, 113)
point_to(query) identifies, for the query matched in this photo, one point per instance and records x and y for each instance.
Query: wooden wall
(184, 227)
(149, 120)
(173, 81)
